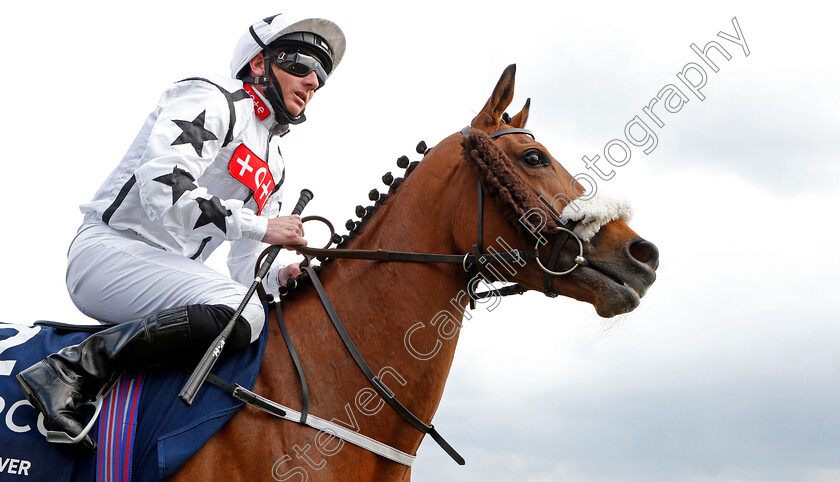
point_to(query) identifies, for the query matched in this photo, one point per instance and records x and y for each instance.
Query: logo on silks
(259, 107)
(253, 172)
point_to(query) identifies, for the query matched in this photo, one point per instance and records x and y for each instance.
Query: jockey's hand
(288, 272)
(285, 230)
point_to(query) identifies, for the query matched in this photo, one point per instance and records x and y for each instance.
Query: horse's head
(527, 190)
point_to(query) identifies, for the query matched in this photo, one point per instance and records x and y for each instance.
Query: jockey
(205, 168)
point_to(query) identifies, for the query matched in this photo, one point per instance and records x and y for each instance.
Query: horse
(404, 317)
(488, 203)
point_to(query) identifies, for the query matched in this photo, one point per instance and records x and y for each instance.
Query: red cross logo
(253, 172)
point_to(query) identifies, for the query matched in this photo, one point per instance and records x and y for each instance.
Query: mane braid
(498, 175)
(362, 223)
(303, 278)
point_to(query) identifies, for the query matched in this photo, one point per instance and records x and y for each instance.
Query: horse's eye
(534, 159)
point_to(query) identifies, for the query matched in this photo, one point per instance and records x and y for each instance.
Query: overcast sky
(729, 370)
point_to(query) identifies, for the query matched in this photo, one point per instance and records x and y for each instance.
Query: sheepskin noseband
(596, 212)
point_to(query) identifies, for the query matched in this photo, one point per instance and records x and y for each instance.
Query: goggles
(300, 65)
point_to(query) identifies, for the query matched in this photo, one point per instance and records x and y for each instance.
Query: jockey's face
(297, 91)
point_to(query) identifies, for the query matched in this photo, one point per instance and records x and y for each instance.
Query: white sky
(729, 370)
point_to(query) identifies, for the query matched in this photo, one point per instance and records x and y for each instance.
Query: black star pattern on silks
(180, 180)
(194, 133)
(212, 211)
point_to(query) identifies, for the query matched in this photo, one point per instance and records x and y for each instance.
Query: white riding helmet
(262, 33)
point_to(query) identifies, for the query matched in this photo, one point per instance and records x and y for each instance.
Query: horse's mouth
(639, 290)
(621, 291)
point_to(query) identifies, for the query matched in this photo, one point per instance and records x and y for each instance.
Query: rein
(474, 262)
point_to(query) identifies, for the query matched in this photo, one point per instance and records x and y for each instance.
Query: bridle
(475, 263)
(559, 239)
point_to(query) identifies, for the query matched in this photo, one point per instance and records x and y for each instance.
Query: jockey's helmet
(312, 36)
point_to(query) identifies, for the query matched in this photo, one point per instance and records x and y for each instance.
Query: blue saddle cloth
(161, 432)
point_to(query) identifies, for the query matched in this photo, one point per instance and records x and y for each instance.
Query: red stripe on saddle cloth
(117, 426)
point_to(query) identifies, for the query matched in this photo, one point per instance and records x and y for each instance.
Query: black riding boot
(61, 384)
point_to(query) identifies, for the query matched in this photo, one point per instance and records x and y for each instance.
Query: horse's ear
(499, 100)
(521, 118)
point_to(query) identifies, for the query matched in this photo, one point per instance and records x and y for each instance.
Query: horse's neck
(403, 317)
(412, 311)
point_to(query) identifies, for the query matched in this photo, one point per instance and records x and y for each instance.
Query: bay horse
(393, 310)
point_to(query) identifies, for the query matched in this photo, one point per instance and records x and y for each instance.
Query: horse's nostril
(640, 253)
(645, 252)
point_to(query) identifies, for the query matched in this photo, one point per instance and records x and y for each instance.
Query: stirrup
(63, 438)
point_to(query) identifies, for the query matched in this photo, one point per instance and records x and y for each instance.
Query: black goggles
(300, 65)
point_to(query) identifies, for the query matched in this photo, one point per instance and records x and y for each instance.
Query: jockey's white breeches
(116, 276)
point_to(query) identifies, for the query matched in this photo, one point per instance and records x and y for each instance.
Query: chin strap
(255, 80)
(274, 94)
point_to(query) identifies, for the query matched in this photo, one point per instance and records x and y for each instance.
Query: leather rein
(474, 263)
